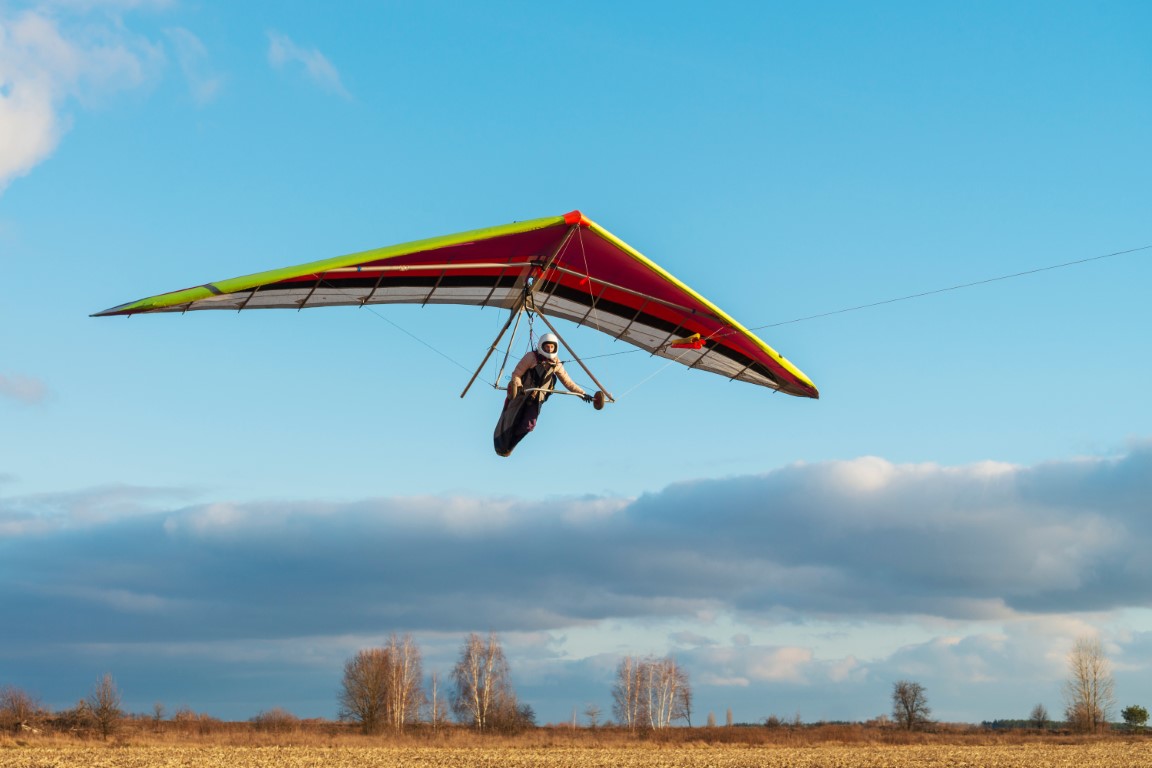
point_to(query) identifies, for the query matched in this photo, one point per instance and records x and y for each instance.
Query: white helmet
(549, 338)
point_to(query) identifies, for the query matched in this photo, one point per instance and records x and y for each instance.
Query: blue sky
(221, 508)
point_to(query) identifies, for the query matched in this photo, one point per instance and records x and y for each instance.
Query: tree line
(383, 688)
(1089, 697)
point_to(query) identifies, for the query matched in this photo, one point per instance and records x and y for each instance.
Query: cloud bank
(850, 539)
(1022, 551)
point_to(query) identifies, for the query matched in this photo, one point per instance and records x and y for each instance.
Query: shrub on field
(20, 712)
(1135, 717)
(189, 722)
(513, 718)
(276, 720)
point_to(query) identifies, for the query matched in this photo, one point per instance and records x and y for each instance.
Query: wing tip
(113, 311)
(802, 390)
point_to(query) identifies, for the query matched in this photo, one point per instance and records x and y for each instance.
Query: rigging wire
(413, 336)
(591, 296)
(908, 297)
(952, 288)
(395, 325)
(649, 377)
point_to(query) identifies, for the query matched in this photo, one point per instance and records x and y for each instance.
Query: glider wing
(564, 266)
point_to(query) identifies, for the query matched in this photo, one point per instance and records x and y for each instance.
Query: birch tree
(437, 707)
(383, 686)
(1089, 693)
(651, 693)
(405, 695)
(668, 693)
(629, 707)
(483, 693)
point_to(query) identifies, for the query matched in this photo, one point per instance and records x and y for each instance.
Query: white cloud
(23, 388)
(106, 5)
(687, 637)
(843, 670)
(283, 52)
(30, 88)
(744, 665)
(45, 63)
(193, 58)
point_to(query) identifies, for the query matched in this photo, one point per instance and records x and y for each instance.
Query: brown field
(1088, 755)
(555, 748)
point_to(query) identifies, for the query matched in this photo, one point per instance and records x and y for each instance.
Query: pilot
(533, 380)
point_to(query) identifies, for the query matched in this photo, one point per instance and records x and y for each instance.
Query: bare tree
(437, 708)
(728, 717)
(382, 686)
(104, 706)
(363, 695)
(910, 705)
(651, 693)
(1089, 691)
(668, 693)
(592, 712)
(1039, 717)
(157, 714)
(484, 696)
(629, 707)
(683, 710)
(405, 693)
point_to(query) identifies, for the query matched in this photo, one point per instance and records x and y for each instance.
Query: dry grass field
(1086, 755)
(557, 750)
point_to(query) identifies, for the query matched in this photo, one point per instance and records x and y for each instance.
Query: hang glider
(561, 267)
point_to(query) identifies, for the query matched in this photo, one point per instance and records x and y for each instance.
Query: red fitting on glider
(575, 217)
(691, 342)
